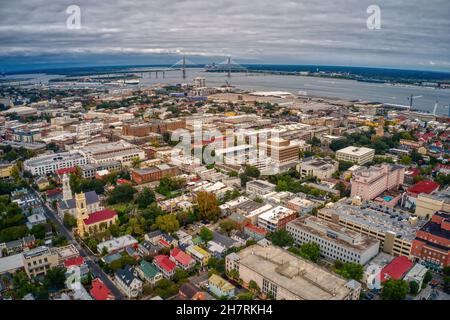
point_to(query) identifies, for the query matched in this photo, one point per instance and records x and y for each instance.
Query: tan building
(319, 168)
(358, 155)
(6, 169)
(39, 260)
(283, 153)
(286, 276)
(429, 204)
(90, 223)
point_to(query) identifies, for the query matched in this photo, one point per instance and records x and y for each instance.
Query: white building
(128, 282)
(121, 151)
(117, 244)
(259, 187)
(50, 163)
(335, 242)
(276, 218)
(358, 155)
(417, 274)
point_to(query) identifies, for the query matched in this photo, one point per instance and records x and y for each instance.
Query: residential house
(128, 282)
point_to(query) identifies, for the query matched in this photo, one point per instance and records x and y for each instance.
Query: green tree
(310, 251)
(121, 194)
(349, 270)
(206, 234)
(145, 198)
(253, 286)
(282, 238)
(395, 289)
(245, 296)
(413, 287)
(244, 179)
(428, 277)
(167, 223)
(69, 220)
(252, 171)
(55, 279)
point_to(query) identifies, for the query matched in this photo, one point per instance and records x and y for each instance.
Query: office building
(45, 164)
(319, 168)
(358, 155)
(335, 241)
(285, 276)
(432, 242)
(369, 183)
(276, 218)
(39, 260)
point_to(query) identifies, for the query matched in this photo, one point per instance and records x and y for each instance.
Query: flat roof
(302, 278)
(11, 263)
(356, 151)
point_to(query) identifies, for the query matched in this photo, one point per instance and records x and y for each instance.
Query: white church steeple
(67, 192)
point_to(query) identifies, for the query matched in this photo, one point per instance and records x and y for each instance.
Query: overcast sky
(414, 34)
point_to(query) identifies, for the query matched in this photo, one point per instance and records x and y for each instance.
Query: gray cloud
(414, 33)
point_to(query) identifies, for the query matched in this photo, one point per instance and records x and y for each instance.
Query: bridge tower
(183, 68)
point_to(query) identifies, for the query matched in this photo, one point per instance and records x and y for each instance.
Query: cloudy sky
(414, 34)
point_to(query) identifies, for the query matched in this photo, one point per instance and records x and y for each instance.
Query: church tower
(67, 192)
(81, 213)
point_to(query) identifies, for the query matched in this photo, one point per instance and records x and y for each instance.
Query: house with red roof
(165, 265)
(100, 291)
(255, 232)
(422, 187)
(182, 259)
(396, 269)
(74, 262)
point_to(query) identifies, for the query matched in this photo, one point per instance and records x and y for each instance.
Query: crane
(411, 98)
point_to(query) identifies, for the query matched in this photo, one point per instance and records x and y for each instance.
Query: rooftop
(356, 151)
(300, 277)
(377, 217)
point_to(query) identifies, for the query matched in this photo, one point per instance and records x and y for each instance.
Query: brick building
(432, 242)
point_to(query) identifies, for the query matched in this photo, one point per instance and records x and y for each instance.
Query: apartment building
(319, 168)
(89, 171)
(259, 187)
(46, 164)
(154, 173)
(39, 260)
(358, 155)
(283, 153)
(335, 242)
(276, 218)
(369, 183)
(285, 276)
(394, 228)
(121, 151)
(432, 242)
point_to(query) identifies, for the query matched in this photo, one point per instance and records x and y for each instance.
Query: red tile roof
(256, 229)
(123, 181)
(78, 261)
(396, 269)
(424, 186)
(164, 243)
(53, 192)
(99, 216)
(165, 263)
(99, 291)
(181, 256)
(66, 170)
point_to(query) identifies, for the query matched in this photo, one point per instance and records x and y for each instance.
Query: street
(89, 257)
